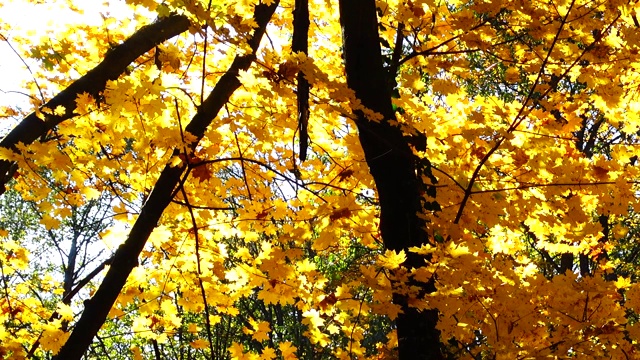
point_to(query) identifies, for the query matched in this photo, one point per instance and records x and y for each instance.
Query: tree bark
(126, 257)
(300, 42)
(393, 167)
(113, 65)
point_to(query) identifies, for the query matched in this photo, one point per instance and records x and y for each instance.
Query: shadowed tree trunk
(126, 257)
(393, 167)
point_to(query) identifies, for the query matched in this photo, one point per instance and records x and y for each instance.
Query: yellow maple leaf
(391, 259)
(59, 110)
(90, 193)
(457, 250)
(237, 352)
(84, 103)
(262, 332)
(8, 154)
(312, 317)
(50, 222)
(271, 293)
(53, 337)
(268, 354)
(65, 312)
(333, 329)
(288, 350)
(622, 282)
(199, 344)
(137, 353)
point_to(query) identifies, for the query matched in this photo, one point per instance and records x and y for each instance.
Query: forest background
(199, 179)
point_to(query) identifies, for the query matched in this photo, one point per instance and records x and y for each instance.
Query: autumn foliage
(389, 179)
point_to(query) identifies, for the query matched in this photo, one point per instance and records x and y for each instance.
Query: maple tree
(318, 179)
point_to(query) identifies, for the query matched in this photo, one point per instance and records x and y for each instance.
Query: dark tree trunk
(300, 42)
(126, 257)
(393, 167)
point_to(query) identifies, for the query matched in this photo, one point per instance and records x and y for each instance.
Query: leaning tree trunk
(112, 67)
(393, 167)
(126, 257)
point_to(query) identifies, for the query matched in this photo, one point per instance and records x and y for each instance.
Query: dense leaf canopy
(208, 179)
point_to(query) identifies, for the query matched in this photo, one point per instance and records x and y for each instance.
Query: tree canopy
(301, 179)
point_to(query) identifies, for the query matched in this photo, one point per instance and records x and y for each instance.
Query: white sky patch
(36, 22)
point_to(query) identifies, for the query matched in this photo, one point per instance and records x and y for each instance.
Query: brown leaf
(328, 300)
(345, 174)
(201, 173)
(261, 215)
(287, 70)
(600, 172)
(339, 214)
